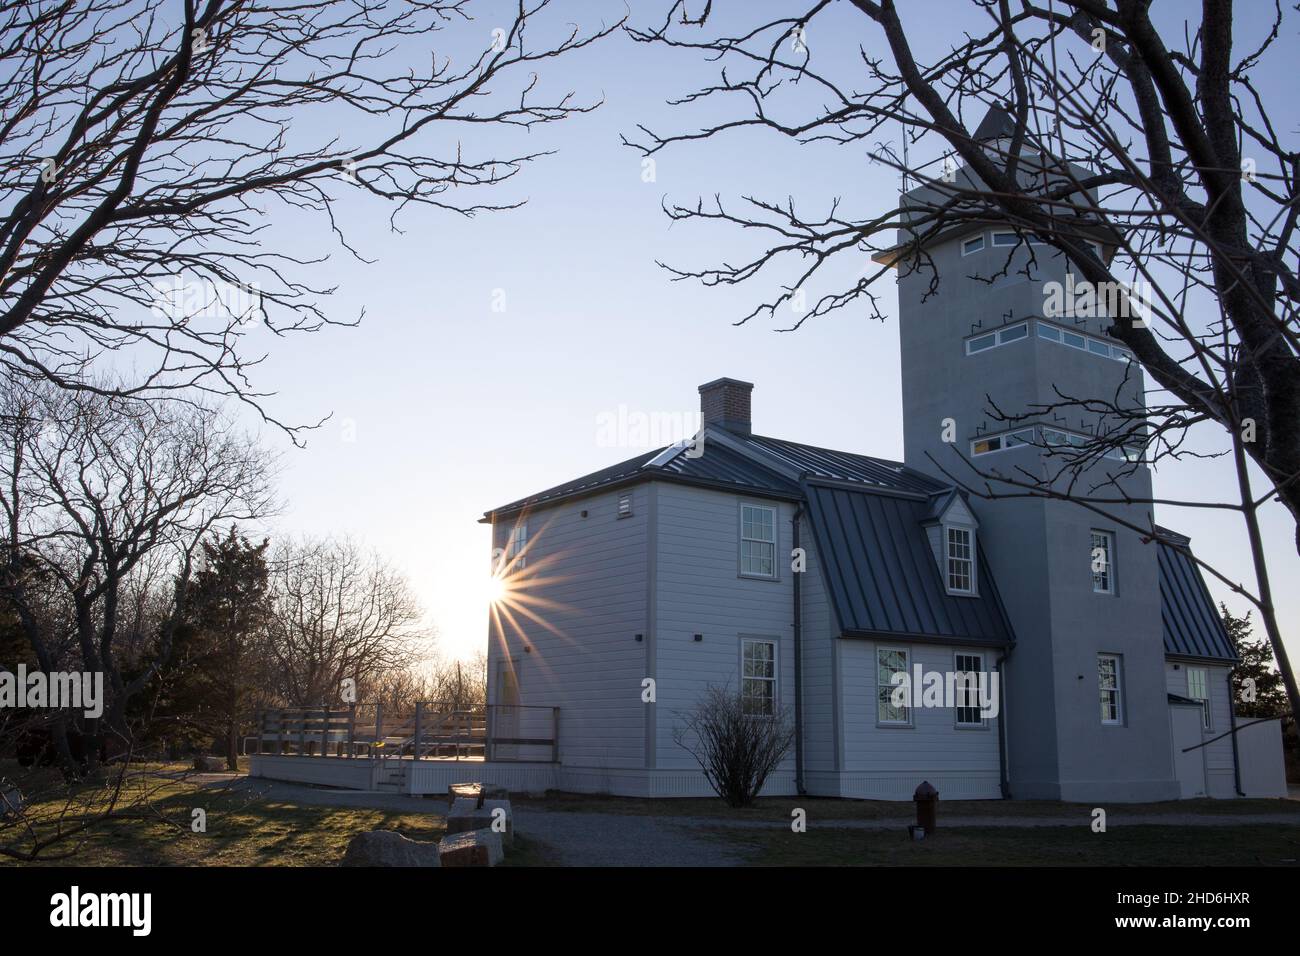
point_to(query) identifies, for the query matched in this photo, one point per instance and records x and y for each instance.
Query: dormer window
(951, 527)
(960, 559)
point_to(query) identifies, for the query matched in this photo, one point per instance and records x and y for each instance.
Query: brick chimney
(725, 402)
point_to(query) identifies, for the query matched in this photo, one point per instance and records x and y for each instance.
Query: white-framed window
(757, 541)
(968, 668)
(516, 546)
(1074, 340)
(959, 559)
(1003, 336)
(1055, 437)
(972, 245)
(757, 677)
(1084, 343)
(1003, 238)
(992, 443)
(1051, 438)
(1198, 688)
(1101, 557)
(890, 661)
(1110, 684)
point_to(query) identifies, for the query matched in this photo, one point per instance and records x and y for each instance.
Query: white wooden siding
(820, 629)
(1219, 778)
(588, 662)
(889, 762)
(700, 591)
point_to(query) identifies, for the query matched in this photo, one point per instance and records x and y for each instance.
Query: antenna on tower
(903, 124)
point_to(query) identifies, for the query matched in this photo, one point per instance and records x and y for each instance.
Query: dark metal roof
(721, 466)
(882, 574)
(823, 463)
(1191, 624)
(997, 123)
(623, 471)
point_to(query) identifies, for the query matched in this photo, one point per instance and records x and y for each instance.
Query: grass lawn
(241, 831)
(825, 808)
(1023, 846)
(248, 830)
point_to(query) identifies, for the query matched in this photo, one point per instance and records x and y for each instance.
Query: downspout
(1232, 724)
(798, 666)
(1005, 781)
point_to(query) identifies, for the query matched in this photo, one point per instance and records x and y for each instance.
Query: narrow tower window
(1102, 557)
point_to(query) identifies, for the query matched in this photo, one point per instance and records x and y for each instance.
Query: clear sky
(457, 408)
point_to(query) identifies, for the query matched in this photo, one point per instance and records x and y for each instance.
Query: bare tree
(99, 493)
(1141, 149)
(146, 145)
(737, 749)
(461, 683)
(337, 612)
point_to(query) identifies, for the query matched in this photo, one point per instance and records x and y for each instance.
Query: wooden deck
(409, 775)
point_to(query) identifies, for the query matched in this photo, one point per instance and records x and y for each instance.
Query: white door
(1189, 765)
(505, 718)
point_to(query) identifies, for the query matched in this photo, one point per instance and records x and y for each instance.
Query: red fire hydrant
(927, 805)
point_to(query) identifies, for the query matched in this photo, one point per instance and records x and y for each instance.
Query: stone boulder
(11, 803)
(209, 764)
(471, 848)
(389, 848)
(465, 815)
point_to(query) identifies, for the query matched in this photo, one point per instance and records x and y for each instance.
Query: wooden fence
(425, 730)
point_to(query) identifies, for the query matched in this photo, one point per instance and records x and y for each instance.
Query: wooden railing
(425, 730)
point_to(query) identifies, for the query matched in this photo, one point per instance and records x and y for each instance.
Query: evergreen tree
(1256, 685)
(210, 691)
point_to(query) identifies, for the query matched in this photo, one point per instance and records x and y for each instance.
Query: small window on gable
(959, 554)
(625, 506)
(1005, 239)
(973, 244)
(757, 541)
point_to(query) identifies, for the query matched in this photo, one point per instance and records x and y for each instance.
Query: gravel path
(580, 838)
(615, 839)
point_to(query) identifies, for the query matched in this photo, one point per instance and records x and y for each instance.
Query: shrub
(736, 750)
